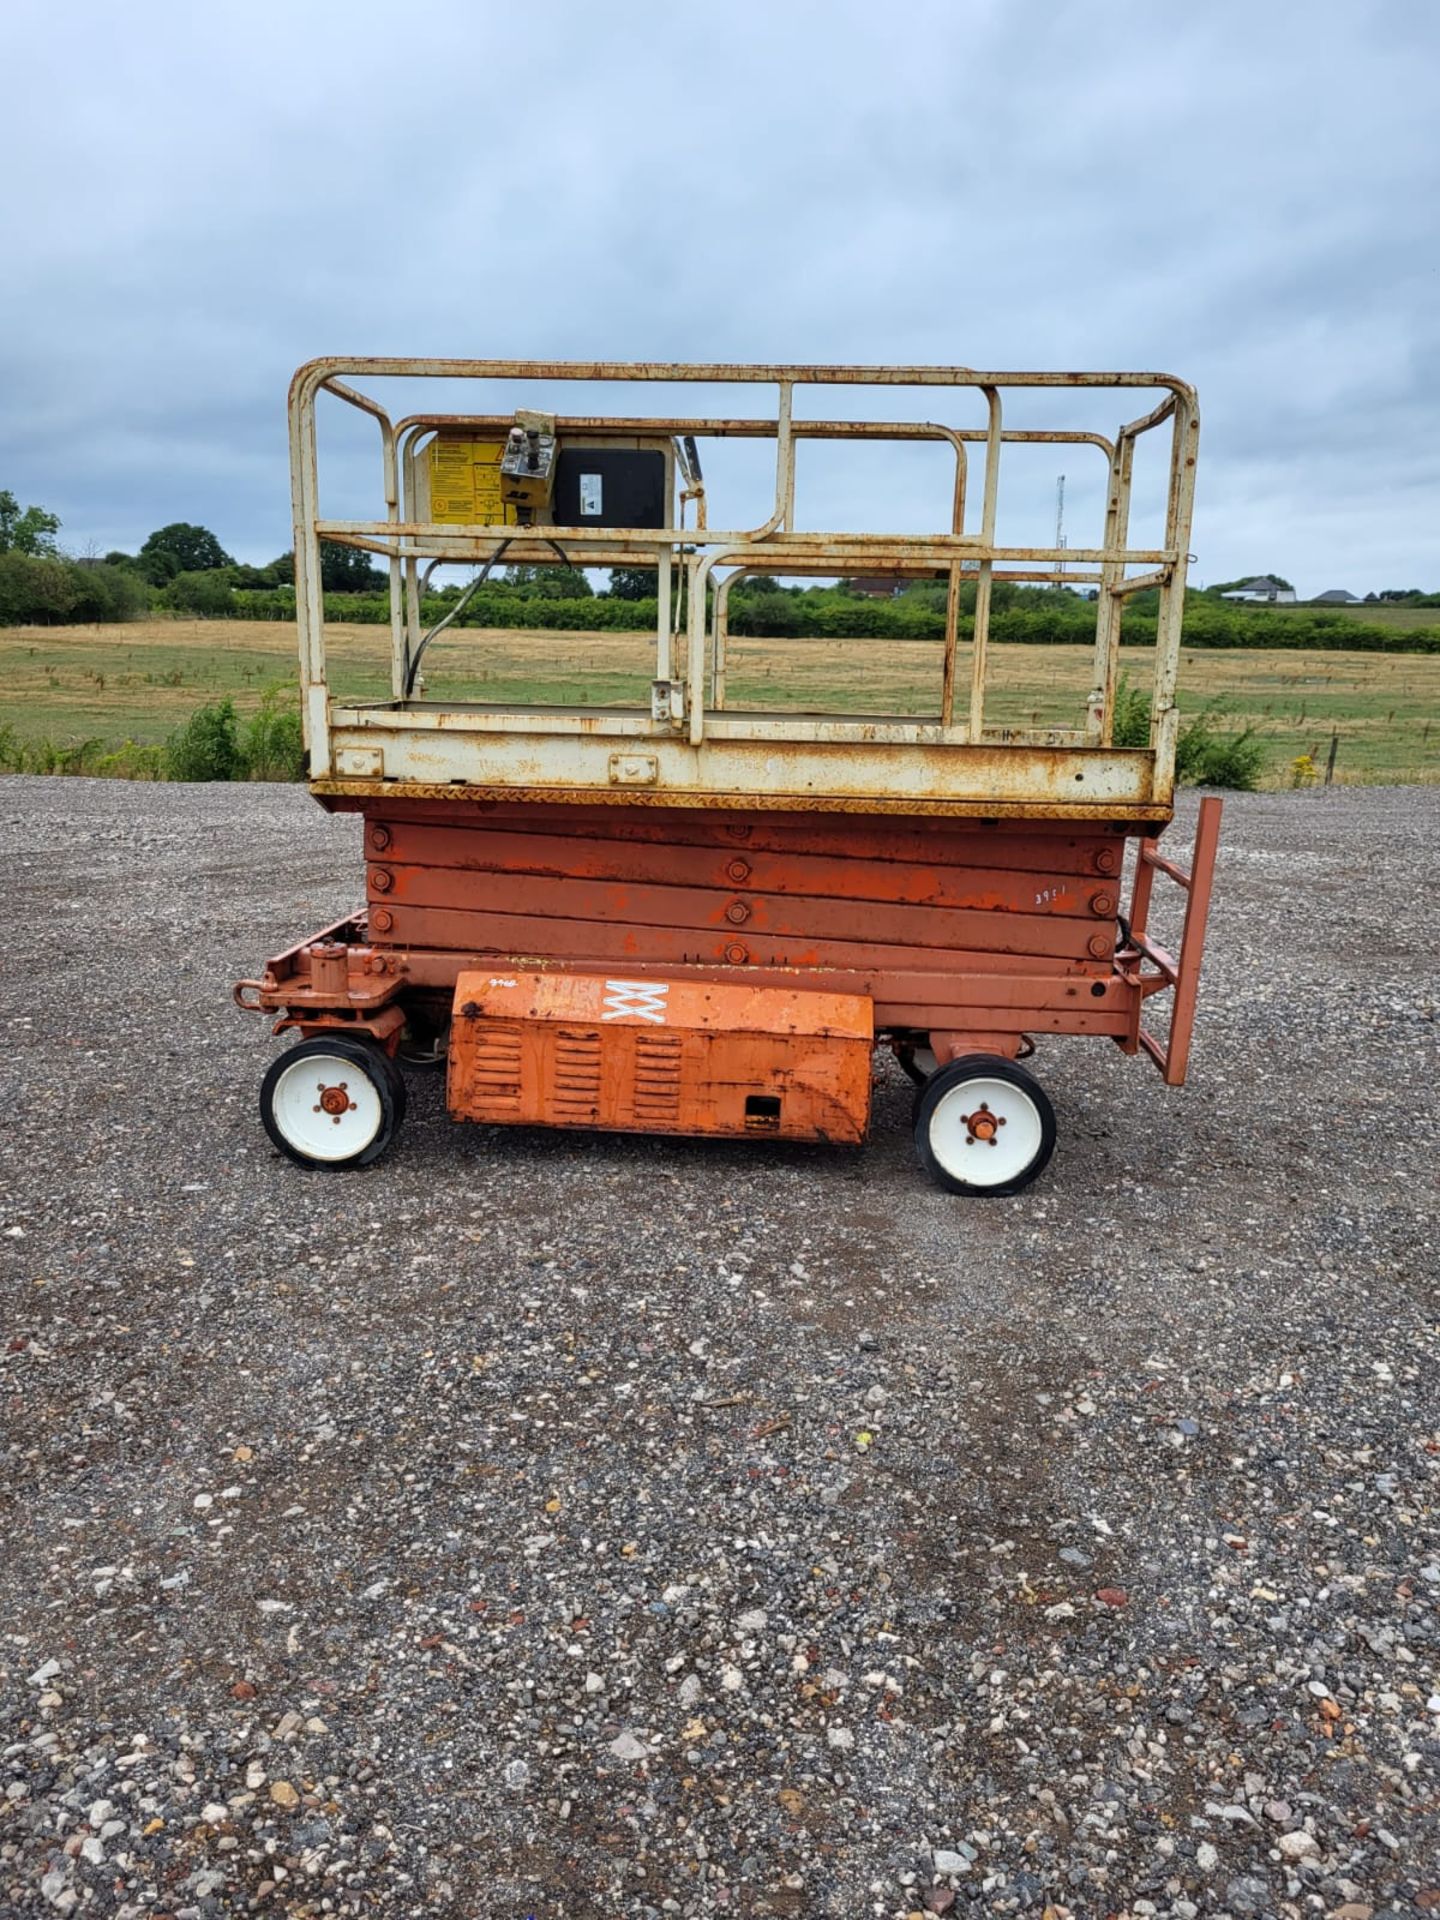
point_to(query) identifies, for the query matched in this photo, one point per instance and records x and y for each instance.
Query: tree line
(180, 568)
(183, 568)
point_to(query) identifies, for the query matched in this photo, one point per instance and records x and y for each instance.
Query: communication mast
(1060, 527)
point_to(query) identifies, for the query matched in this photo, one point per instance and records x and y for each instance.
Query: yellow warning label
(465, 483)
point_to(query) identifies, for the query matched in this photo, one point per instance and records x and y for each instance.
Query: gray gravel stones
(553, 1525)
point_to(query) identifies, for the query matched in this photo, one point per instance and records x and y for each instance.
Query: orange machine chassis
(963, 936)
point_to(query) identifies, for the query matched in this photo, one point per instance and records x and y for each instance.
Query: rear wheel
(984, 1126)
(333, 1103)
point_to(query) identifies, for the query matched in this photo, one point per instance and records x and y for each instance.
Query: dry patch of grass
(141, 680)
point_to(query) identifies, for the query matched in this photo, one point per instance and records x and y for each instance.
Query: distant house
(1262, 587)
(1336, 597)
(877, 586)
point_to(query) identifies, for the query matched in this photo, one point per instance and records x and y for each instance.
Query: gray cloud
(1244, 195)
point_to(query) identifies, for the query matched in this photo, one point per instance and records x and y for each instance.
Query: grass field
(1402, 619)
(141, 680)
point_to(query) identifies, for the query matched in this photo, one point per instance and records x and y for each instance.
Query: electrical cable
(412, 664)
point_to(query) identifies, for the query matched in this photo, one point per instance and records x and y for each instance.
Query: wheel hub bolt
(334, 1100)
(983, 1125)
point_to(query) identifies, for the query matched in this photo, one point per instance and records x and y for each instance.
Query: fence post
(1330, 758)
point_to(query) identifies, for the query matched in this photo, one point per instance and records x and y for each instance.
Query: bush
(47, 756)
(1130, 724)
(1205, 758)
(1232, 761)
(206, 593)
(278, 603)
(33, 589)
(104, 592)
(274, 742)
(130, 761)
(36, 590)
(207, 747)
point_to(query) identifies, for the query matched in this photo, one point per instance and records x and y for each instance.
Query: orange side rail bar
(1180, 973)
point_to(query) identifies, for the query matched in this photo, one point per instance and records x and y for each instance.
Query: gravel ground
(548, 1525)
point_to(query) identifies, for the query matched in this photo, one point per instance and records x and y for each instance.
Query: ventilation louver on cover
(497, 1073)
(657, 1076)
(577, 1077)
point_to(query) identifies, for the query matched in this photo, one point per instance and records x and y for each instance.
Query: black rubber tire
(990, 1067)
(378, 1068)
(905, 1053)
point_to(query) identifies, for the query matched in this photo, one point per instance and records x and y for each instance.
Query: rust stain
(986, 809)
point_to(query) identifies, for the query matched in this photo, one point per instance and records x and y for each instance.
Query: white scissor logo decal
(636, 1000)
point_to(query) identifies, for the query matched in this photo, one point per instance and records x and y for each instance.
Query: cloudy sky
(201, 197)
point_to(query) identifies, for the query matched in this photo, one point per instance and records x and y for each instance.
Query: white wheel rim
(303, 1098)
(963, 1117)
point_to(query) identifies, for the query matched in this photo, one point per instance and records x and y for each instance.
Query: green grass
(143, 680)
(1402, 619)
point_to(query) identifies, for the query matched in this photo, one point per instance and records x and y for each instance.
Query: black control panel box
(610, 487)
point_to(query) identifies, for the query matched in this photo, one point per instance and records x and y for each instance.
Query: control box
(527, 466)
(610, 487)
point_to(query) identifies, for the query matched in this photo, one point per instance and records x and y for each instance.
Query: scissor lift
(688, 917)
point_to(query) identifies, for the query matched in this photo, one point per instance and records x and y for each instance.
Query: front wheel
(983, 1126)
(333, 1103)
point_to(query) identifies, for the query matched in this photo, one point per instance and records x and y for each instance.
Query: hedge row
(53, 592)
(498, 609)
(40, 591)
(783, 615)
(1207, 625)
